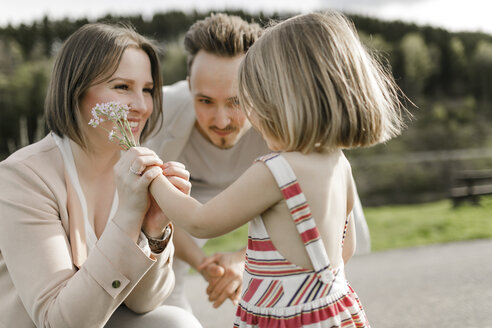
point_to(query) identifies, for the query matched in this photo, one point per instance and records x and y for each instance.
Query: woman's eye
(121, 86)
(149, 90)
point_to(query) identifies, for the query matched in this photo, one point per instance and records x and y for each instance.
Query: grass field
(397, 226)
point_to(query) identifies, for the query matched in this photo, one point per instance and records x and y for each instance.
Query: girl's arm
(349, 243)
(253, 193)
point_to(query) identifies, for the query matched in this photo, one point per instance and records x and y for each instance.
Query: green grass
(397, 226)
(430, 223)
(231, 242)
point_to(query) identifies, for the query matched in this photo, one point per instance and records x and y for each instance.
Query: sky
(454, 15)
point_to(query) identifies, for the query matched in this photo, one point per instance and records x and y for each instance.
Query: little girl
(311, 90)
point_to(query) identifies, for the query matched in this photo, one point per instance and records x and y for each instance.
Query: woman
(75, 222)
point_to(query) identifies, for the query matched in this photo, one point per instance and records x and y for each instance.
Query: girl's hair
(312, 86)
(88, 57)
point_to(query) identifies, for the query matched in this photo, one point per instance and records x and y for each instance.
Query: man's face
(213, 85)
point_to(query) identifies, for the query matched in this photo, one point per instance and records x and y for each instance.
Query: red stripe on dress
(273, 273)
(278, 295)
(291, 191)
(318, 315)
(253, 286)
(310, 235)
(303, 217)
(261, 245)
(269, 263)
(267, 293)
(300, 208)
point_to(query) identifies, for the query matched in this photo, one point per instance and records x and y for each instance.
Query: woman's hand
(155, 220)
(134, 172)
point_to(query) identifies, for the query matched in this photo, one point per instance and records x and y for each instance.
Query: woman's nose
(138, 103)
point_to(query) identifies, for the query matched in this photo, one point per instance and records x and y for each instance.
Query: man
(204, 129)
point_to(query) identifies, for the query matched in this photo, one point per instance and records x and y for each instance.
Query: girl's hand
(134, 172)
(177, 174)
(155, 220)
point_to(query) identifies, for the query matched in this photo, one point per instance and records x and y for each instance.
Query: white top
(90, 235)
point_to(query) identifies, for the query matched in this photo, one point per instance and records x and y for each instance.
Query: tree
(418, 64)
(174, 62)
(482, 68)
(458, 66)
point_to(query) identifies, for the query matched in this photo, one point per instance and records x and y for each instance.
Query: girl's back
(326, 181)
(289, 280)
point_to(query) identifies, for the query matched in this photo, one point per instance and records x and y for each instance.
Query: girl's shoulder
(313, 166)
(334, 158)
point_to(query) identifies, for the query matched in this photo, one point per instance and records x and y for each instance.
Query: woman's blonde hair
(312, 86)
(88, 57)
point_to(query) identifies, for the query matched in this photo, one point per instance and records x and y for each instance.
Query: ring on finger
(135, 172)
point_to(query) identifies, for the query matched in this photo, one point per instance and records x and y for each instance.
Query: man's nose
(222, 118)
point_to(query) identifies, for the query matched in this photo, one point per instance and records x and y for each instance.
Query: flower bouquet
(117, 114)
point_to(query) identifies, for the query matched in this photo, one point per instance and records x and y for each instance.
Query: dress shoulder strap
(301, 214)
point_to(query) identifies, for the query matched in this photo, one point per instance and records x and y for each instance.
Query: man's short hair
(222, 35)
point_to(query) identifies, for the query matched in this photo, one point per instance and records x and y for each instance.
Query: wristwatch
(158, 245)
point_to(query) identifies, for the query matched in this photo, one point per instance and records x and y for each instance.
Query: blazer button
(116, 284)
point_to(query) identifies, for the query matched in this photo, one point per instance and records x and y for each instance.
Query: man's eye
(205, 101)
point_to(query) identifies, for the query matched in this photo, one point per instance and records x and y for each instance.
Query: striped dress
(278, 293)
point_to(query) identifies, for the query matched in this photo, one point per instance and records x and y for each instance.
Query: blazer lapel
(76, 225)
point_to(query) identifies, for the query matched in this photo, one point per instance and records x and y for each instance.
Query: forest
(446, 78)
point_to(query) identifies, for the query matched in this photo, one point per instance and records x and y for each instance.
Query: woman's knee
(176, 317)
(164, 316)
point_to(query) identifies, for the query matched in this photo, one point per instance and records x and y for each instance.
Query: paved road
(447, 285)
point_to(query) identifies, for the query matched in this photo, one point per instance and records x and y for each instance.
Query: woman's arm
(253, 193)
(37, 252)
(156, 285)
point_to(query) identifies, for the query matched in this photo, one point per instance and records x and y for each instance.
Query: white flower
(93, 122)
(117, 114)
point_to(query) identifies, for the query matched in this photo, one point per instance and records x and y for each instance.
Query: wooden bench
(470, 185)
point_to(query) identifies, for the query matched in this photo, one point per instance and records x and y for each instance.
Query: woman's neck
(96, 160)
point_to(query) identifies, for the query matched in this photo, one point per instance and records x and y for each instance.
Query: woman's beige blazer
(46, 277)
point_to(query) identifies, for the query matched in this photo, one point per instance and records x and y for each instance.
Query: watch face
(167, 232)
(158, 245)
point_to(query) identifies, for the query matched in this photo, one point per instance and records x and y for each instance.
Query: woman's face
(131, 85)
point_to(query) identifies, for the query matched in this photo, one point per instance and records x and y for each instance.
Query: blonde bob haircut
(311, 86)
(89, 57)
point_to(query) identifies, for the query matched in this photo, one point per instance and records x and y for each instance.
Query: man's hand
(229, 283)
